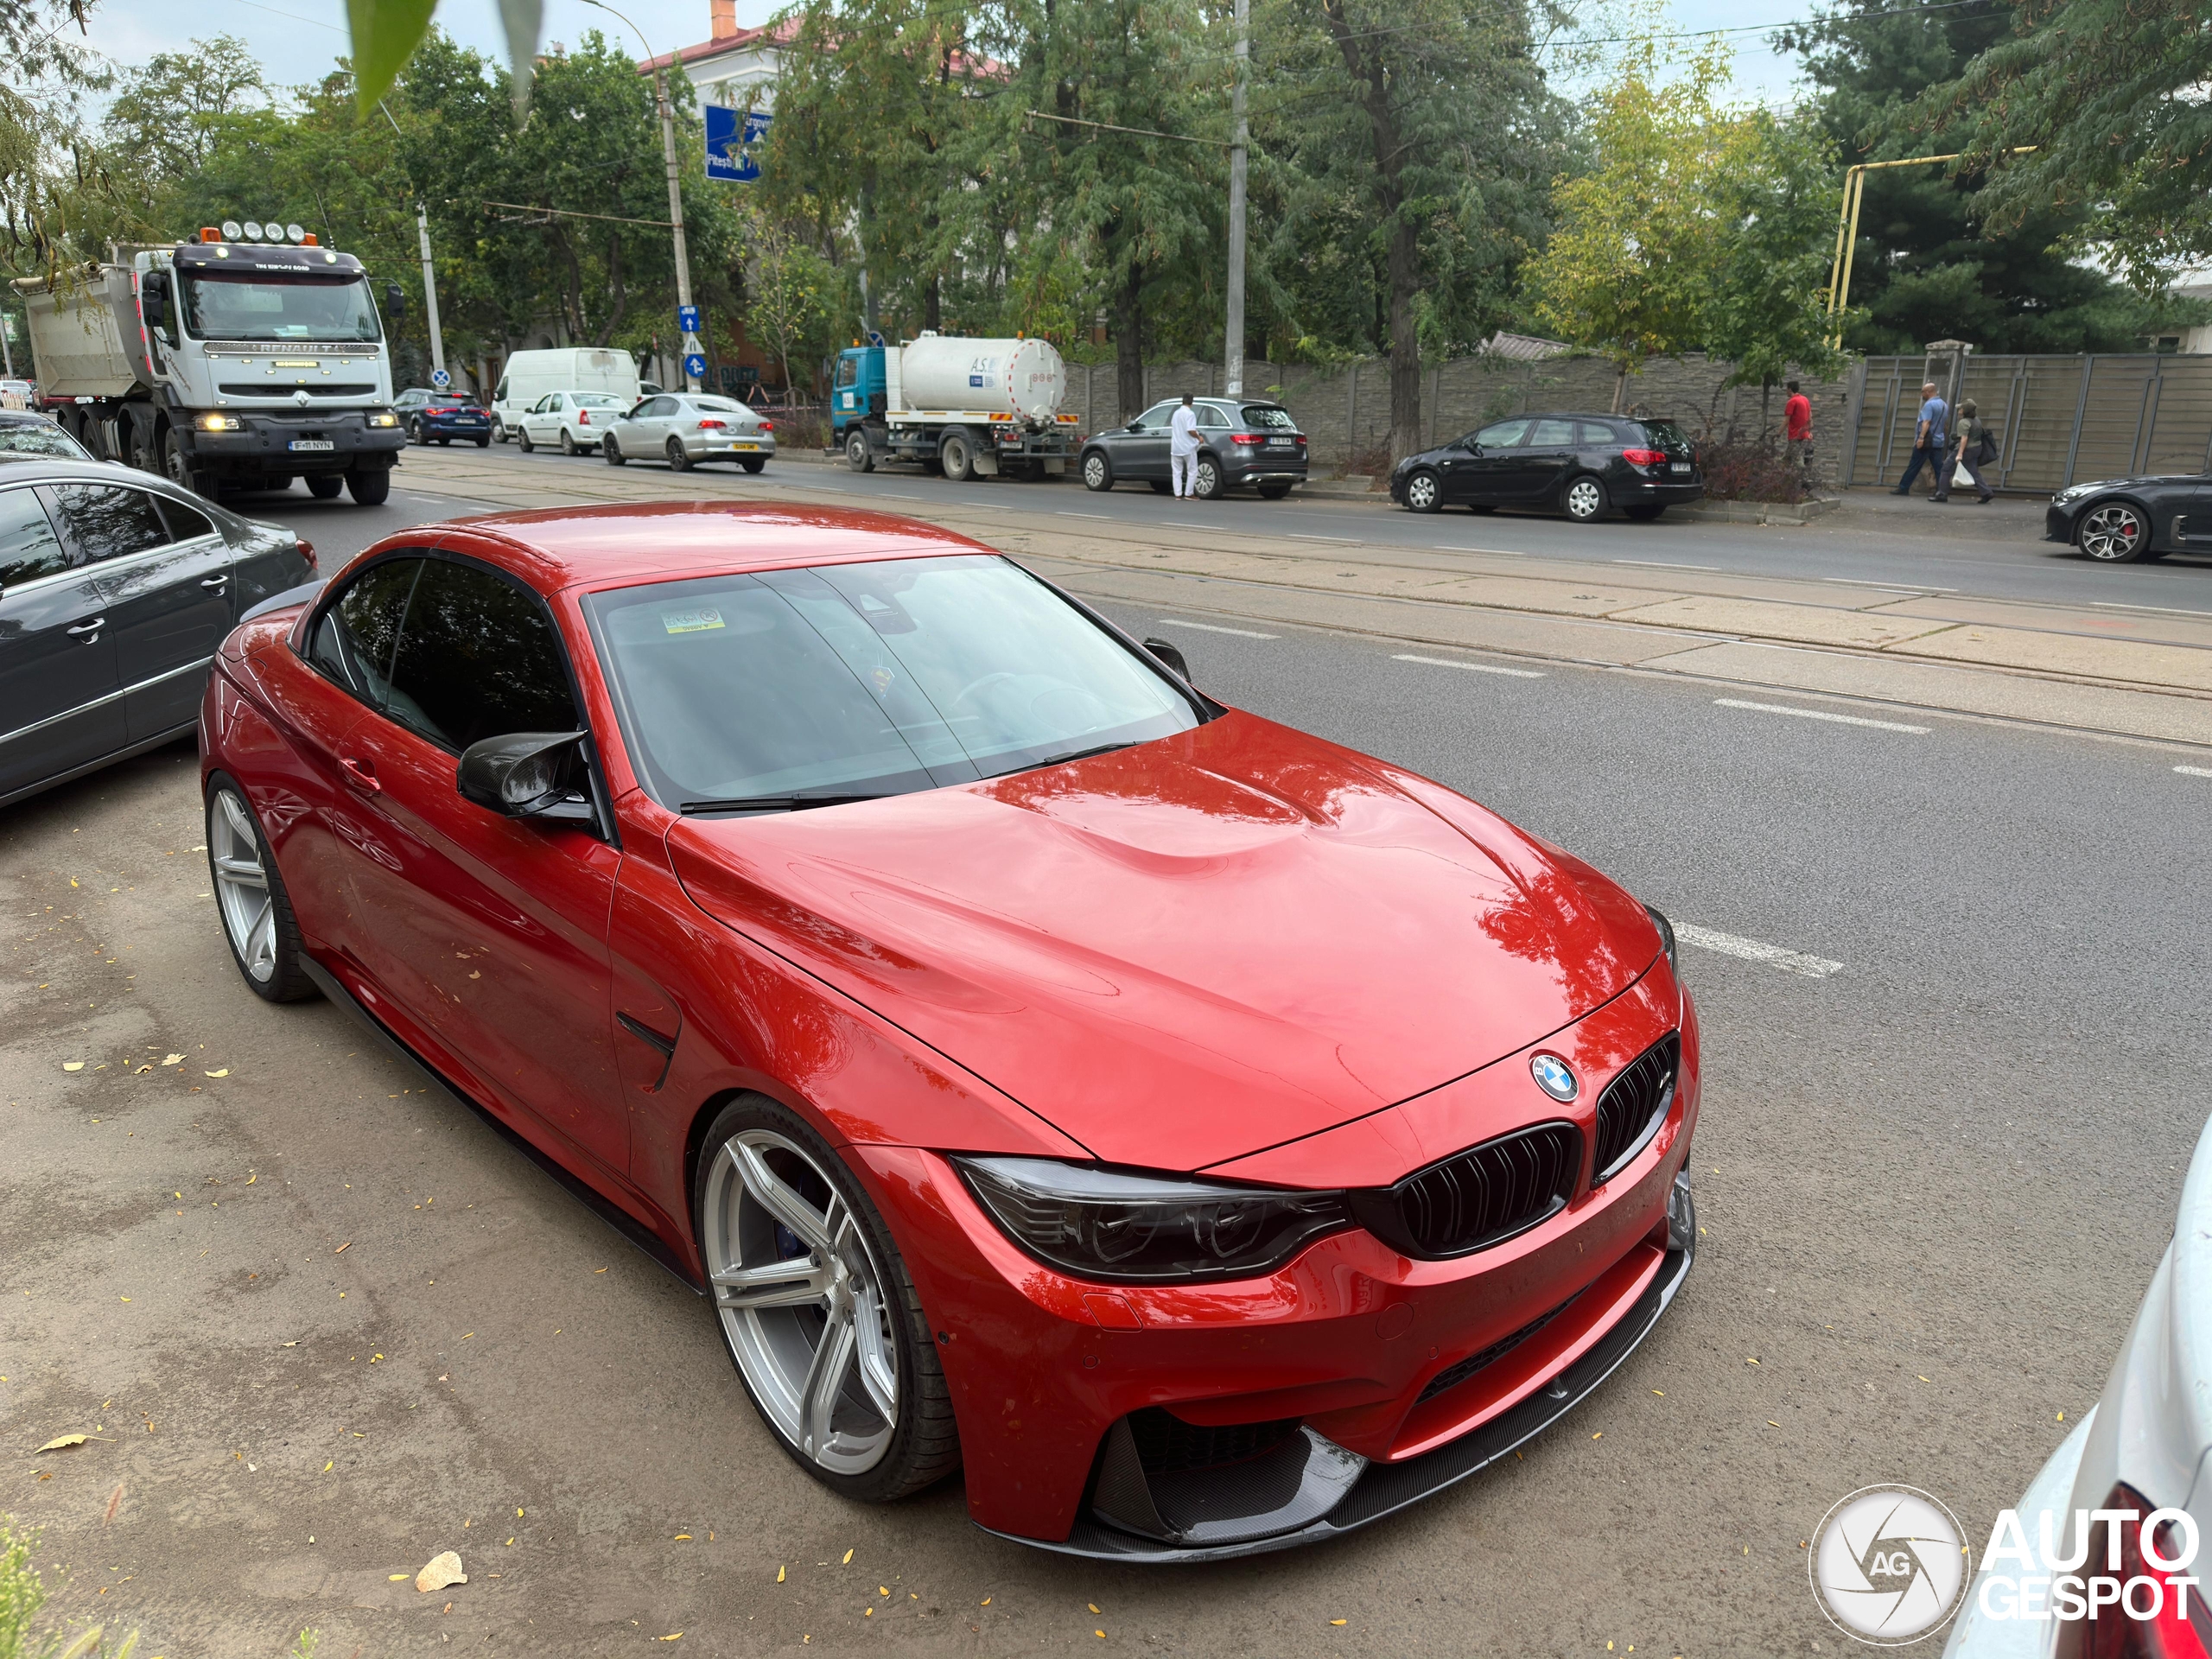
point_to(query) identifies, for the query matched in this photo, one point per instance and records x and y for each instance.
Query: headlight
(217, 423)
(1665, 939)
(1125, 1228)
(383, 417)
(2073, 493)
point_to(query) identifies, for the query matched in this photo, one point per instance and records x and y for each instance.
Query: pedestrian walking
(1183, 447)
(1976, 445)
(1797, 433)
(1927, 444)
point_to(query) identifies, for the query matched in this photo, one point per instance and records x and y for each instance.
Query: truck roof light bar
(209, 234)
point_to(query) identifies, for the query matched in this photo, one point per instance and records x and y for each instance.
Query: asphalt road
(1934, 1182)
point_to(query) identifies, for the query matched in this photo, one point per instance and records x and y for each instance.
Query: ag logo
(1888, 1564)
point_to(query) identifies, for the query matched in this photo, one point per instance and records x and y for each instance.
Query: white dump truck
(222, 362)
(967, 408)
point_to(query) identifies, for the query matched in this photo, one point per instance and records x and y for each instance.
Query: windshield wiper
(774, 803)
(1062, 759)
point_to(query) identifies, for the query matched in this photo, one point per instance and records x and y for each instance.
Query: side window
(661, 407)
(186, 523)
(28, 547)
(1155, 418)
(1504, 436)
(106, 521)
(353, 642)
(1552, 435)
(1210, 417)
(477, 659)
(1595, 434)
(848, 371)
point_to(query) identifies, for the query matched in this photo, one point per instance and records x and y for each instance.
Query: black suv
(1241, 441)
(1581, 465)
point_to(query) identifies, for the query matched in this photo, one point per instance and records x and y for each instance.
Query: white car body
(528, 376)
(569, 420)
(2151, 1430)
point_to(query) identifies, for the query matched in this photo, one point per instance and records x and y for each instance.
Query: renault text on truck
(968, 408)
(222, 363)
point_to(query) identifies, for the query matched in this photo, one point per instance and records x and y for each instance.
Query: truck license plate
(305, 444)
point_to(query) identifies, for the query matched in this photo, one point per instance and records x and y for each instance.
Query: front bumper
(2059, 524)
(264, 441)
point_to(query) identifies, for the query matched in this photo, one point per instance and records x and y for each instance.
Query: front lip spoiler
(1383, 1489)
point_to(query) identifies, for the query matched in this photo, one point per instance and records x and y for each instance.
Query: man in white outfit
(1183, 447)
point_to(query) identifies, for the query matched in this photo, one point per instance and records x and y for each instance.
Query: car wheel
(522, 437)
(2113, 534)
(567, 441)
(1273, 491)
(816, 1308)
(498, 430)
(1425, 492)
(612, 451)
(325, 485)
(1585, 500)
(752, 463)
(416, 436)
(369, 489)
(251, 898)
(678, 461)
(1644, 515)
(1206, 480)
(484, 442)
(959, 460)
(859, 454)
(1098, 471)
(177, 467)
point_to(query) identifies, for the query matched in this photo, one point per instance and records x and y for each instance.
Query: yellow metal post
(1854, 193)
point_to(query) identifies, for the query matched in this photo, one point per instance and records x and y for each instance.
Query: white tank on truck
(222, 361)
(967, 408)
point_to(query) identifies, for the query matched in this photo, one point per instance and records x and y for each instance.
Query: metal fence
(2057, 419)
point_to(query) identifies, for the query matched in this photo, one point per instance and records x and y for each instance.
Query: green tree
(169, 112)
(794, 297)
(1766, 306)
(59, 195)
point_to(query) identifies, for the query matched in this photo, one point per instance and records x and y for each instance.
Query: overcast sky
(296, 40)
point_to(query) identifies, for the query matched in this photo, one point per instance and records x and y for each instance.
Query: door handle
(88, 632)
(361, 774)
(215, 581)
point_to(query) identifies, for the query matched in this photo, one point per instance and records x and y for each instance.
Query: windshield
(38, 438)
(865, 679)
(1268, 414)
(242, 308)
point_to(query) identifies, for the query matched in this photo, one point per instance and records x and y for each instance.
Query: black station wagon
(1584, 465)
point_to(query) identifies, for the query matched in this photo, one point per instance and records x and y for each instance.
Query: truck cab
(860, 388)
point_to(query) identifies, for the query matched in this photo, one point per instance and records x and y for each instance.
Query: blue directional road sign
(441, 379)
(733, 139)
(687, 318)
(695, 366)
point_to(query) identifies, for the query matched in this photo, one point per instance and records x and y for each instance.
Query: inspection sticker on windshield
(691, 621)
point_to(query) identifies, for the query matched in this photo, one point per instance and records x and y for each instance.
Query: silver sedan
(684, 428)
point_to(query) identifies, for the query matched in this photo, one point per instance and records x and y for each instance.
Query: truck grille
(1634, 1105)
(1478, 1197)
(274, 388)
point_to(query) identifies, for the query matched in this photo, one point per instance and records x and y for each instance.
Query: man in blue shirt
(1927, 446)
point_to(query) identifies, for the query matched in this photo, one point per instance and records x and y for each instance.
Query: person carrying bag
(1977, 446)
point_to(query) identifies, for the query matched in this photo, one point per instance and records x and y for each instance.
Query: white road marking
(1213, 627)
(1893, 586)
(1299, 535)
(1667, 564)
(1790, 962)
(1185, 524)
(1478, 668)
(1488, 552)
(1062, 512)
(2193, 772)
(1821, 713)
(2162, 610)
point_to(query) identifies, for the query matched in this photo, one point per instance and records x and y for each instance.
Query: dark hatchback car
(441, 416)
(2133, 520)
(115, 590)
(1241, 441)
(1584, 465)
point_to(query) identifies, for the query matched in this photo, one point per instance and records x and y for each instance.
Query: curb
(1753, 512)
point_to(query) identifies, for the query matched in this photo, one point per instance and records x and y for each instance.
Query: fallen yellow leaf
(1770, 1423)
(673, 1636)
(326, 1467)
(1336, 1621)
(225, 1072)
(73, 1065)
(848, 1557)
(172, 1059)
(61, 1442)
(780, 1574)
(396, 1578)
(987, 1601)
(867, 1612)
(1092, 1606)
(683, 1537)
(440, 1570)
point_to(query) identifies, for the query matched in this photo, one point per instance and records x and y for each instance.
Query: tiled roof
(768, 35)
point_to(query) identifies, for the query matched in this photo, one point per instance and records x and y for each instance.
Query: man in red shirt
(1797, 430)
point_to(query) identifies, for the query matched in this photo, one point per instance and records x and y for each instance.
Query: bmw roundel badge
(1553, 1076)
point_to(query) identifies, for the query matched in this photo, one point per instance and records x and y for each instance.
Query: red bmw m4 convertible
(1211, 1138)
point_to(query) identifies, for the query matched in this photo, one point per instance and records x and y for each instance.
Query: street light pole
(430, 292)
(1236, 322)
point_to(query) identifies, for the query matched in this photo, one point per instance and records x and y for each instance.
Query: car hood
(1189, 950)
(2083, 492)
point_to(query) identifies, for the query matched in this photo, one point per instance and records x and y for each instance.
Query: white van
(530, 375)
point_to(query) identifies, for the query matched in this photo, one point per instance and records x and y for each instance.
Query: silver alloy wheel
(1094, 471)
(1421, 492)
(1206, 480)
(1586, 498)
(2112, 533)
(242, 886)
(802, 1302)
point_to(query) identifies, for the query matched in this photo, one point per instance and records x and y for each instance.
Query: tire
(752, 463)
(484, 442)
(1425, 492)
(522, 437)
(177, 467)
(445, 443)
(1206, 482)
(324, 487)
(1644, 515)
(498, 430)
(567, 441)
(959, 454)
(761, 1170)
(1273, 492)
(611, 451)
(1098, 471)
(860, 455)
(2114, 533)
(369, 489)
(1584, 499)
(678, 462)
(416, 435)
(249, 899)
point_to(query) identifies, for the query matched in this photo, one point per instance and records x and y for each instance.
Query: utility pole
(675, 195)
(430, 294)
(1236, 328)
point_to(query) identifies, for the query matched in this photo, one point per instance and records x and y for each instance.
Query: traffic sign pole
(430, 297)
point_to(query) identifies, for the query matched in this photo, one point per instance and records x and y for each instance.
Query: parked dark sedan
(1241, 441)
(1582, 465)
(2124, 520)
(441, 416)
(115, 590)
